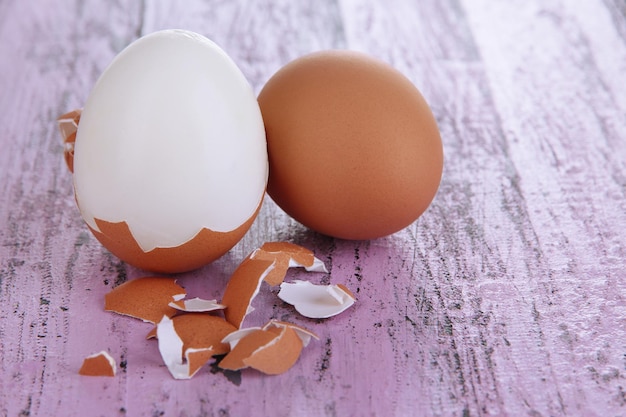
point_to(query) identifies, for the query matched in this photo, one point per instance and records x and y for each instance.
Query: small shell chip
(98, 364)
(68, 125)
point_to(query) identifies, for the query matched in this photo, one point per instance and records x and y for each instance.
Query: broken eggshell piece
(170, 161)
(145, 298)
(268, 263)
(316, 301)
(304, 334)
(68, 125)
(271, 350)
(98, 364)
(277, 356)
(283, 256)
(187, 342)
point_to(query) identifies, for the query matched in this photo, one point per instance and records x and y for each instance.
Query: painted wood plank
(48, 64)
(561, 154)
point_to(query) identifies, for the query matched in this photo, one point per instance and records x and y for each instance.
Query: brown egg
(354, 149)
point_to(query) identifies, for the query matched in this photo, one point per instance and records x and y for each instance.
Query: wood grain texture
(507, 297)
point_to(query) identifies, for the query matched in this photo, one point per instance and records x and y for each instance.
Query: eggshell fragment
(68, 125)
(198, 330)
(316, 301)
(187, 342)
(170, 161)
(267, 351)
(284, 256)
(197, 305)
(172, 352)
(245, 347)
(304, 334)
(277, 356)
(233, 338)
(98, 364)
(241, 289)
(145, 298)
(268, 263)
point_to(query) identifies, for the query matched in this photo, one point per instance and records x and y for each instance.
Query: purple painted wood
(506, 298)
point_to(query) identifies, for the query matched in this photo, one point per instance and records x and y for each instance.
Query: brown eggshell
(268, 263)
(276, 358)
(200, 331)
(198, 358)
(99, 364)
(235, 359)
(203, 248)
(68, 125)
(241, 289)
(271, 351)
(281, 253)
(188, 341)
(144, 298)
(354, 148)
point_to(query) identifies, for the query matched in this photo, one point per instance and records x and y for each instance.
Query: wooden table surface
(507, 297)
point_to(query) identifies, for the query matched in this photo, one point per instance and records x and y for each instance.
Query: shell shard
(98, 364)
(316, 301)
(268, 263)
(272, 349)
(145, 298)
(187, 342)
(68, 125)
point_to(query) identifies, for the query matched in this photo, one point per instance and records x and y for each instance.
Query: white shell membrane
(171, 141)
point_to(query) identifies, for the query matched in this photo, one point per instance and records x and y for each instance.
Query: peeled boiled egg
(170, 159)
(354, 149)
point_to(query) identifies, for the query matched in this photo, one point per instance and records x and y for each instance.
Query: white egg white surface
(171, 141)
